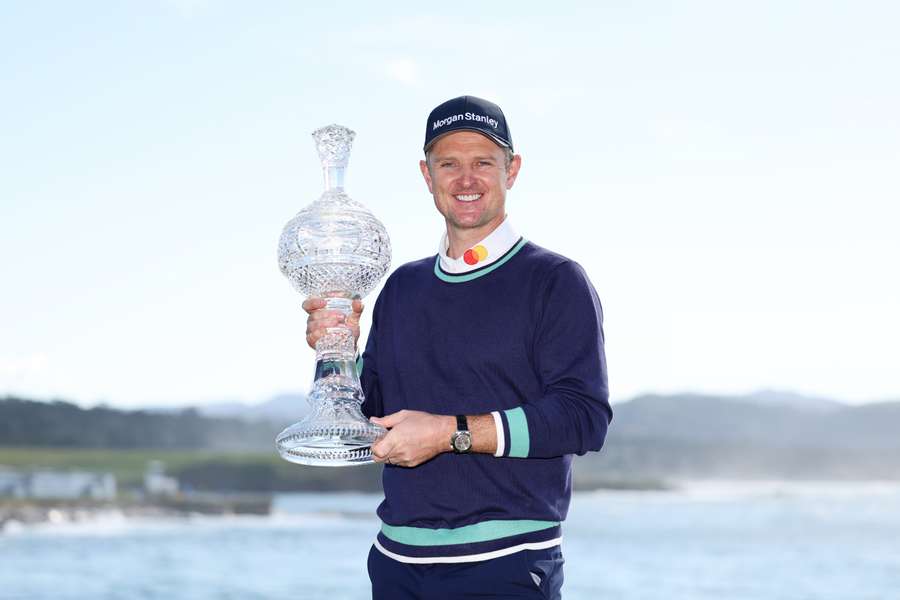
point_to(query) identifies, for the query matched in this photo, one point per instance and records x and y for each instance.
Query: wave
(724, 489)
(113, 522)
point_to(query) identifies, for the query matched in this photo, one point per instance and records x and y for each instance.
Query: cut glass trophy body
(333, 249)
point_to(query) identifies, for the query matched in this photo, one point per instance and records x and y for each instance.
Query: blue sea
(703, 541)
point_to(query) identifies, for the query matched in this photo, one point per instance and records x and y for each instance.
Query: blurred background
(728, 174)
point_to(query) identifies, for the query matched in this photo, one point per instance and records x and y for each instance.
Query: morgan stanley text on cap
(468, 113)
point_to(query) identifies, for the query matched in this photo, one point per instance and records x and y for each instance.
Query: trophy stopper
(333, 143)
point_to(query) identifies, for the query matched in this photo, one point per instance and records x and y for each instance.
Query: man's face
(468, 178)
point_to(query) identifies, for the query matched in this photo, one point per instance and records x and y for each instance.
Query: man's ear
(513, 171)
(423, 166)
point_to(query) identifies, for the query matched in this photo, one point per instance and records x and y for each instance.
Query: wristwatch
(461, 440)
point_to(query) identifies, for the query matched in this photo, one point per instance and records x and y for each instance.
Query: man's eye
(446, 164)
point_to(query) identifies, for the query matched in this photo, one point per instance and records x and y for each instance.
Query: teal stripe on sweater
(519, 440)
(463, 277)
(468, 534)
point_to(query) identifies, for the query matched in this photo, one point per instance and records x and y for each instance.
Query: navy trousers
(536, 574)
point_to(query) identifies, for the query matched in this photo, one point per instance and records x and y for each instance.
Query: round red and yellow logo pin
(475, 255)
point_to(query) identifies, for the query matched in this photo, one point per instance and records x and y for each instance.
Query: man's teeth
(468, 197)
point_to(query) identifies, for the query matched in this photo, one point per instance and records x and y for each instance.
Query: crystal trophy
(337, 250)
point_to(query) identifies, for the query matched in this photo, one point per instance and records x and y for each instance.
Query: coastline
(26, 512)
(16, 514)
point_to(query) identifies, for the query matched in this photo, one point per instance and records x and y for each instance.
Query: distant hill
(283, 408)
(776, 420)
(26, 423)
(652, 437)
(791, 400)
(764, 435)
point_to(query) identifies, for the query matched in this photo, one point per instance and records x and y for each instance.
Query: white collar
(493, 247)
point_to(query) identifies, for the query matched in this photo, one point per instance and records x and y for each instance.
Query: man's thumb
(387, 421)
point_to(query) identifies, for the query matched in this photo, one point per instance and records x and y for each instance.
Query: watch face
(463, 441)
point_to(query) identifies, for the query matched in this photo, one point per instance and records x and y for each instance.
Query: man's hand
(414, 437)
(321, 319)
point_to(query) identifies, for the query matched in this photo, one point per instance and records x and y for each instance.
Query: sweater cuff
(501, 437)
(517, 438)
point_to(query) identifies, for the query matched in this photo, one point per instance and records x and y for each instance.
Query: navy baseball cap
(471, 114)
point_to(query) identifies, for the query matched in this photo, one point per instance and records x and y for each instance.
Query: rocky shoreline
(18, 513)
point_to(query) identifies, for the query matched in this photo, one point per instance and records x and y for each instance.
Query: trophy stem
(335, 432)
(334, 177)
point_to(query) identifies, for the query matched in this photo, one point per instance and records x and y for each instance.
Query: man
(486, 365)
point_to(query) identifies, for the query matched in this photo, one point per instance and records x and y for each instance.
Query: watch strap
(462, 424)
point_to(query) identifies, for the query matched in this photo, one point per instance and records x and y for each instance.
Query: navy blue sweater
(523, 337)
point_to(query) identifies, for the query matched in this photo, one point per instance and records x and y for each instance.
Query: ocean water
(740, 541)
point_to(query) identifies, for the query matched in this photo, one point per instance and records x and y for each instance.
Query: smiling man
(486, 364)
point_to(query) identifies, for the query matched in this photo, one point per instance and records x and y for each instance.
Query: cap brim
(491, 137)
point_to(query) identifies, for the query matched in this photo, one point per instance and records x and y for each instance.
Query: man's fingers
(354, 317)
(311, 304)
(325, 315)
(382, 448)
(315, 335)
(317, 322)
(320, 321)
(390, 420)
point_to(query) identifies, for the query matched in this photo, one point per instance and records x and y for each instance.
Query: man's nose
(466, 177)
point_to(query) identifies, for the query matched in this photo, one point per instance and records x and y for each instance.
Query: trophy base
(333, 435)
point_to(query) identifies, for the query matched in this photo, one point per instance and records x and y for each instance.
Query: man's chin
(467, 224)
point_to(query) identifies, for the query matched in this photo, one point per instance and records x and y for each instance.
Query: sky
(728, 174)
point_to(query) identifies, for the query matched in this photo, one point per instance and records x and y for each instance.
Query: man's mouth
(467, 197)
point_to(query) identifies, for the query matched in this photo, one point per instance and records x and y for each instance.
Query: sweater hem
(474, 548)
(464, 558)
